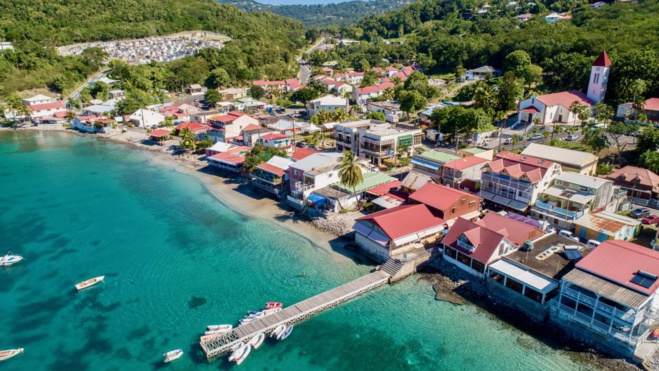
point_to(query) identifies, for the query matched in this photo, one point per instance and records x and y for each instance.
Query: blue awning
(316, 199)
(424, 163)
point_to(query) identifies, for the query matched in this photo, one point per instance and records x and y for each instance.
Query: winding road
(305, 69)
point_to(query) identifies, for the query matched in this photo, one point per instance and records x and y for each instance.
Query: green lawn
(577, 146)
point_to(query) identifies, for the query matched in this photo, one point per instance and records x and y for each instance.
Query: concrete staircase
(392, 267)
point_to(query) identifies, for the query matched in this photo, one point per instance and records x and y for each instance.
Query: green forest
(444, 36)
(263, 45)
(340, 14)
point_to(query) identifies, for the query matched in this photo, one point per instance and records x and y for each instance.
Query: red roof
(391, 68)
(619, 261)
(635, 175)
(267, 83)
(229, 117)
(514, 231)
(565, 99)
(517, 166)
(273, 136)
(46, 106)
(531, 109)
(384, 188)
(440, 197)
(602, 61)
(193, 126)
(404, 220)
(464, 162)
(485, 241)
(60, 114)
(302, 153)
(235, 156)
(272, 169)
(375, 88)
(160, 133)
(652, 104)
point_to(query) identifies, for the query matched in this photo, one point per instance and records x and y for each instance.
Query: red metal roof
(229, 117)
(404, 220)
(632, 176)
(266, 83)
(272, 169)
(602, 61)
(46, 106)
(619, 261)
(160, 133)
(384, 188)
(514, 231)
(375, 88)
(565, 99)
(465, 162)
(193, 126)
(235, 156)
(302, 153)
(440, 197)
(652, 104)
(531, 110)
(485, 241)
(518, 165)
(273, 136)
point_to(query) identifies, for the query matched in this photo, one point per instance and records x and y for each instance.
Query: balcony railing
(629, 317)
(558, 211)
(523, 186)
(377, 152)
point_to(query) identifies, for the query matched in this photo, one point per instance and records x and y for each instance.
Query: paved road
(305, 69)
(89, 82)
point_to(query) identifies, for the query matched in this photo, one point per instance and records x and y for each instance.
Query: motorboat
(238, 353)
(286, 333)
(277, 331)
(257, 340)
(240, 359)
(172, 355)
(268, 312)
(10, 259)
(273, 305)
(89, 283)
(252, 317)
(6, 354)
(222, 328)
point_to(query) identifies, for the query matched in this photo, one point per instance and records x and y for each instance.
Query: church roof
(602, 61)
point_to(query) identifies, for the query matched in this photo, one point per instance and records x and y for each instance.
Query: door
(582, 233)
(560, 118)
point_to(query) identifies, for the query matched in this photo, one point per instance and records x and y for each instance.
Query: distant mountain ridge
(319, 15)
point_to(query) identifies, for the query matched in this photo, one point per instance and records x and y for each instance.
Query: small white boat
(6, 354)
(286, 333)
(257, 340)
(223, 328)
(238, 352)
(268, 312)
(9, 259)
(215, 332)
(278, 330)
(243, 356)
(89, 283)
(209, 336)
(172, 355)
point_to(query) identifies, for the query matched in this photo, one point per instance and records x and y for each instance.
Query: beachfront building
(397, 231)
(339, 196)
(515, 181)
(606, 225)
(219, 147)
(145, 118)
(313, 172)
(376, 141)
(612, 296)
(198, 130)
(231, 160)
(430, 163)
(272, 177)
(570, 160)
(276, 140)
(570, 197)
(447, 203)
(463, 173)
(327, 103)
(641, 185)
(225, 128)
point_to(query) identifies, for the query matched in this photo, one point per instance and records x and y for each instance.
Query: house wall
(372, 249)
(533, 102)
(323, 180)
(514, 299)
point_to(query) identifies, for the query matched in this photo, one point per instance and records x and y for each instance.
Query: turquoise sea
(176, 260)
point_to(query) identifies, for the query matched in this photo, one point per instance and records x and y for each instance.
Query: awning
(471, 215)
(424, 163)
(316, 199)
(487, 195)
(501, 200)
(530, 110)
(517, 205)
(524, 275)
(387, 202)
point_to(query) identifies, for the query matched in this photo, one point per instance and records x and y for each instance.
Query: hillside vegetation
(264, 44)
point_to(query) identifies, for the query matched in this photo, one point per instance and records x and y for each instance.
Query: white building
(481, 73)
(392, 112)
(145, 118)
(38, 99)
(327, 103)
(599, 77)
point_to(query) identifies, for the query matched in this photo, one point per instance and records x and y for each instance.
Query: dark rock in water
(138, 333)
(444, 294)
(196, 302)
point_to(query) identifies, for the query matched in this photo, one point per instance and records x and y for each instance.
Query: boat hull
(89, 283)
(6, 354)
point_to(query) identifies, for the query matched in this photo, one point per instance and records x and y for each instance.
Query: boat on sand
(89, 283)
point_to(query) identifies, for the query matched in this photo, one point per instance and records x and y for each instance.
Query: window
(451, 252)
(453, 210)
(596, 79)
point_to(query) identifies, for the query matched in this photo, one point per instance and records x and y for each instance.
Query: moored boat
(243, 356)
(238, 352)
(6, 354)
(257, 340)
(89, 283)
(223, 328)
(10, 259)
(268, 312)
(286, 333)
(278, 330)
(172, 355)
(273, 305)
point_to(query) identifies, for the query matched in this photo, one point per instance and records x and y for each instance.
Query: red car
(652, 219)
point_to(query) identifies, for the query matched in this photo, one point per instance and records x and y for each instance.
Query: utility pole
(505, 122)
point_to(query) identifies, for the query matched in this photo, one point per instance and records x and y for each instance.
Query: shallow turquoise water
(177, 260)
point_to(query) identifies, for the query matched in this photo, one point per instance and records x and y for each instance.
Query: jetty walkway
(221, 344)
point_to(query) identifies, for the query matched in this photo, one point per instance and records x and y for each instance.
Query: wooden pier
(221, 344)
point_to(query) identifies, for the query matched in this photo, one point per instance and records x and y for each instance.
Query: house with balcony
(463, 173)
(311, 173)
(606, 225)
(447, 203)
(339, 196)
(272, 177)
(396, 231)
(327, 103)
(641, 185)
(430, 163)
(570, 197)
(276, 140)
(515, 181)
(376, 141)
(365, 94)
(611, 297)
(224, 128)
(231, 160)
(570, 160)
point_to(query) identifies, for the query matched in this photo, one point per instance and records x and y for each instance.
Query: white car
(568, 234)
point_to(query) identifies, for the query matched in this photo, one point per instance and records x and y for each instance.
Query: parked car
(299, 144)
(568, 234)
(507, 141)
(652, 219)
(593, 243)
(535, 137)
(572, 137)
(640, 213)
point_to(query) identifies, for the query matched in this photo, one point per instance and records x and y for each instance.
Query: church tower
(599, 77)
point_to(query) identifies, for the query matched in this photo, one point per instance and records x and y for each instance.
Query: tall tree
(412, 101)
(351, 171)
(188, 141)
(212, 97)
(256, 92)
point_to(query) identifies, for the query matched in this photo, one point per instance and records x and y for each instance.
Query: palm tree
(350, 171)
(513, 141)
(340, 115)
(556, 129)
(575, 107)
(188, 141)
(70, 115)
